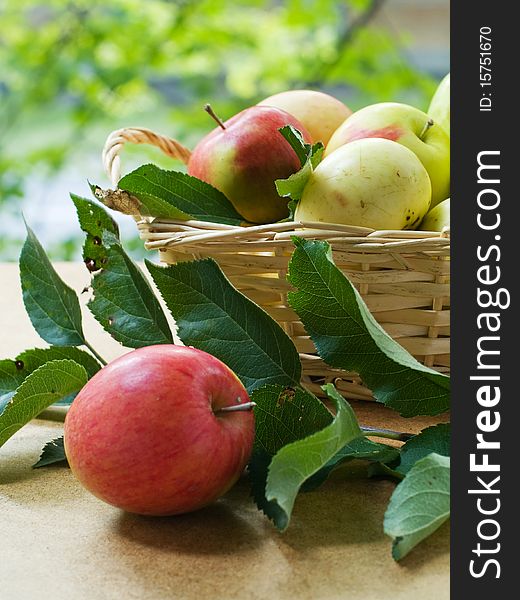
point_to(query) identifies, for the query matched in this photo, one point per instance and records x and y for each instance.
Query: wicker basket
(403, 276)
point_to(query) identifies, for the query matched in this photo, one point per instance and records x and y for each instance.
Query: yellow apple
(320, 113)
(439, 109)
(371, 182)
(410, 127)
(437, 218)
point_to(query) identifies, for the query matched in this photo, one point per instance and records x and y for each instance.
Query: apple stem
(427, 126)
(237, 407)
(214, 116)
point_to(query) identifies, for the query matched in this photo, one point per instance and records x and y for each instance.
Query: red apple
(148, 434)
(244, 156)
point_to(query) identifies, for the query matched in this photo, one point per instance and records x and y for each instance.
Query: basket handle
(138, 135)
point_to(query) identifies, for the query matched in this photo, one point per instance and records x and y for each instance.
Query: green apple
(371, 182)
(321, 114)
(437, 218)
(439, 109)
(410, 127)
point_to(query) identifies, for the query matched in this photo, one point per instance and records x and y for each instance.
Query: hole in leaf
(90, 263)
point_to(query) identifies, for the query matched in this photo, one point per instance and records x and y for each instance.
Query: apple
(437, 218)
(371, 182)
(439, 109)
(410, 127)
(158, 431)
(244, 156)
(321, 114)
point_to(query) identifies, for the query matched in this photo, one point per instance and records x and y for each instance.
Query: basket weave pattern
(403, 276)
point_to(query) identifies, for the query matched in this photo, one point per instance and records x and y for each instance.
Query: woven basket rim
(170, 233)
(174, 149)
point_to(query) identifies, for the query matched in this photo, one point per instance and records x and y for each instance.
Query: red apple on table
(244, 156)
(152, 432)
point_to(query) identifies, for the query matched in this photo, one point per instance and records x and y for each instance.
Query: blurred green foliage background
(71, 71)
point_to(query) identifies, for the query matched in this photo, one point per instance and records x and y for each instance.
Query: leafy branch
(299, 442)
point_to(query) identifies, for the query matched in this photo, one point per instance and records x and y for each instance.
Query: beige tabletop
(57, 541)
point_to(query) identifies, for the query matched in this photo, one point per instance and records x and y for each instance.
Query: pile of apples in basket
(386, 166)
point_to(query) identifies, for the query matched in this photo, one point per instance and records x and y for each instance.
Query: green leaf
(347, 336)
(51, 304)
(432, 439)
(359, 448)
(384, 471)
(293, 186)
(310, 157)
(297, 143)
(53, 452)
(213, 316)
(257, 469)
(284, 415)
(297, 462)
(176, 195)
(43, 387)
(94, 220)
(14, 372)
(419, 504)
(124, 303)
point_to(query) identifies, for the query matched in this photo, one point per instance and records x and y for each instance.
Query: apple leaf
(295, 463)
(384, 470)
(257, 469)
(44, 386)
(359, 448)
(51, 304)
(53, 452)
(347, 336)
(94, 220)
(297, 143)
(14, 371)
(124, 302)
(176, 195)
(419, 504)
(293, 186)
(432, 439)
(215, 317)
(309, 155)
(284, 415)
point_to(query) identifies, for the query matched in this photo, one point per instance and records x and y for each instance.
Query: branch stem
(54, 413)
(99, 358)
(386, 433)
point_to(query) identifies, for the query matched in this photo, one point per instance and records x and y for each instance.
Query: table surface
(60, 542)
